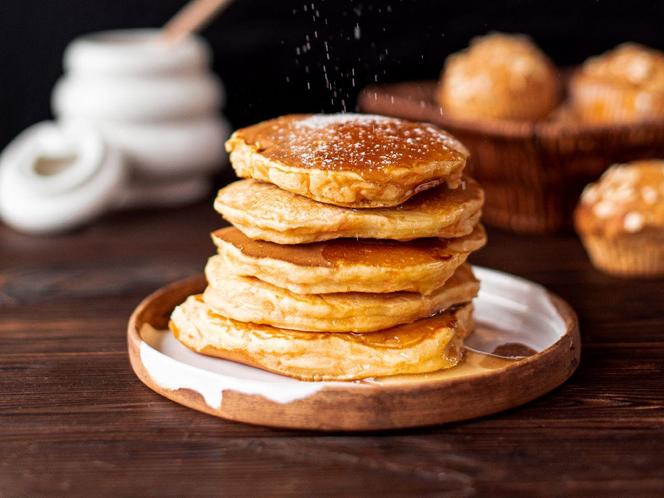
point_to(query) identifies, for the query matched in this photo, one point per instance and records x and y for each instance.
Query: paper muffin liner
(605, 102)
(626, 255)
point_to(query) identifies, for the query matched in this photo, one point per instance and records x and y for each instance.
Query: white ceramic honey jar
(138, 125)
(158, 103)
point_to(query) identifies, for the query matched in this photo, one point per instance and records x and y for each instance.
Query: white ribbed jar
(157, 103)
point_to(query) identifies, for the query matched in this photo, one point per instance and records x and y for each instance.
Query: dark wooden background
(74, 421)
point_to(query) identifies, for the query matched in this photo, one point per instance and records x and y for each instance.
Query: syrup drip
(499, 353)
(372, 252)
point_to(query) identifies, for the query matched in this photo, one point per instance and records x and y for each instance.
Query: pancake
(265, 212)
(344, 265)
(351, 160)
(248, 299)
(427, 345)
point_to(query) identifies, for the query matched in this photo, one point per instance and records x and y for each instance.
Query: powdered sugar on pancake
(356, 142)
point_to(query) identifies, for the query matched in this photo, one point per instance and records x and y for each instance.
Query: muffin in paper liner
(624, 85)
(637, 256)
(499, 76)
(620, 219)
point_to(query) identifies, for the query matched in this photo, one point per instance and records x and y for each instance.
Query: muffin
(499, 76)
(623, 85)
(620, 219)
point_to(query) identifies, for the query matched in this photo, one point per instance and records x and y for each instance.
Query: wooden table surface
(75, 421)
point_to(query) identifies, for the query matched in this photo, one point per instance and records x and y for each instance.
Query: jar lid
(135, 51)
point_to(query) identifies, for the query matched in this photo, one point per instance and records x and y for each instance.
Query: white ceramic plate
(508, 310)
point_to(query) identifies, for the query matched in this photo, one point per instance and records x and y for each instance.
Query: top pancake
(352, 160)
(265, 212)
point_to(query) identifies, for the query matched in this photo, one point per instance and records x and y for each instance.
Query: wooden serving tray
(512, 315)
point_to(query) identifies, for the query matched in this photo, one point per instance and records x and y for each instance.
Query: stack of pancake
(347, 255)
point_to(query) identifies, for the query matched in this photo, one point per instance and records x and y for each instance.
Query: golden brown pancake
(427, 345)
(263, 211)
(344, 265)
(248, 299)
(352, 160)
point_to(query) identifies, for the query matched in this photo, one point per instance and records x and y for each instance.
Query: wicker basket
(532, 173)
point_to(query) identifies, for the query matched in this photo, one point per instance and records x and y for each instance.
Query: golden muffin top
(628, 198)
(368, 144)
(629, 63)
(507, 75)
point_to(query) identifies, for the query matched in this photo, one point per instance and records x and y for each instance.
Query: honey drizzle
(473, 363)
(503, 354)
(370, 252)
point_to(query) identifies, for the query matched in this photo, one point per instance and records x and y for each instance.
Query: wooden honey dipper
(192, 17)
